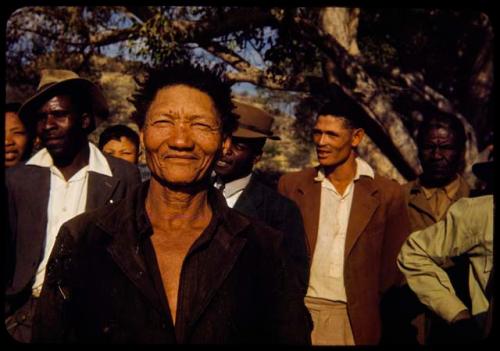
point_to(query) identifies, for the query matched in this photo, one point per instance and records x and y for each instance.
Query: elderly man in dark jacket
(172, 263)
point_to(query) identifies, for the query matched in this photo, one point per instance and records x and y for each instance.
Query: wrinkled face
(16, 139)
(182, 135)
(440, 155)
(334, 141)
(238, 161)
(60, 127)
(123, 148)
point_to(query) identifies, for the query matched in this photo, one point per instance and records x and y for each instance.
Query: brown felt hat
(51, 83)
(253, 122)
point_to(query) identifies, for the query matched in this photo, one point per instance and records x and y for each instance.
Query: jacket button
(164, 326)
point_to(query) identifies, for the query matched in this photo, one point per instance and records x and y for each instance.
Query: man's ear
(357, 136)
(257, 158)
(86, 120)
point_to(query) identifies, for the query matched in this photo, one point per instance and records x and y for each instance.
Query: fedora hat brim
(247, 133)
(99, 105)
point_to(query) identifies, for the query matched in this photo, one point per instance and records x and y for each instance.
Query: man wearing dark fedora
(68, 176)
(244, 191)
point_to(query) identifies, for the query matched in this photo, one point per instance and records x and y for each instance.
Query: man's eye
(60, 114)
(204, 127)
(162, 123)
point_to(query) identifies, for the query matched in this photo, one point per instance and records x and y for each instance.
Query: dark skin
(62, 130)
(239, 160)
(440, 155)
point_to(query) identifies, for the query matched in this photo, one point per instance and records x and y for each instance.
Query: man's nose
(321, 139)
(49, 122)
(437, 153)
(181, 137)
(8, 139)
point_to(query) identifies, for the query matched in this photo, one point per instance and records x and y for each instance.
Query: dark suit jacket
(235, 286)
(28, 189)
(261, 202)
(378, 225)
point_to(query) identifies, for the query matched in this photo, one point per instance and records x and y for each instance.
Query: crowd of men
(196, 248)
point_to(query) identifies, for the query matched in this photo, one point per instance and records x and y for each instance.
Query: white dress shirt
(67, 199)
(327, 269)
(233, 190)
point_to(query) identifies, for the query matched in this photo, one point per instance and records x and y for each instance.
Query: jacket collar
(418, 200)
(127, 224)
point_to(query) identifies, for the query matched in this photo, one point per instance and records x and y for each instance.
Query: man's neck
(171, 209)
(428, 182)
(342, 173)
(80, 160)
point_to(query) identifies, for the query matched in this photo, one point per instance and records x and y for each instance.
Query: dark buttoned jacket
(260, 201)
(28, 191)
(103, 283)
(377, 227)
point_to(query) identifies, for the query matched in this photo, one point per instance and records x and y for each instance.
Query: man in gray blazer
(245, 192)
(65, 178)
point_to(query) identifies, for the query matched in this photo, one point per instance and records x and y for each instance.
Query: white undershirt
(233, 190)
(67, 199)
(327, 269)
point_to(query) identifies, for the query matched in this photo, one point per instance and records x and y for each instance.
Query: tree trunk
(388, 132)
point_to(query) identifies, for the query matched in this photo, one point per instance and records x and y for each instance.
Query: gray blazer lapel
(364, 204)
(250, 200)
(30, 224)
(100, 190)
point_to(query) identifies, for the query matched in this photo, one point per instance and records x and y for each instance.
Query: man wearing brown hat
(245, 192)
(65, 178)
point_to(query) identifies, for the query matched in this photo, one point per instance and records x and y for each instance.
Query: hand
(465, 314)
(465, 329)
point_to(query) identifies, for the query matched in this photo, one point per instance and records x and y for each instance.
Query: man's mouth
(322, 153)
(53, 140)
(223, 163)
(11, 154)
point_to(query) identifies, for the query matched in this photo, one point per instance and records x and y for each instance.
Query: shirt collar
(235, 186)
(97, 161)
(450, 189)
(362, 169)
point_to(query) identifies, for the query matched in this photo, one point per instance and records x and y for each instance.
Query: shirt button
(64, 209)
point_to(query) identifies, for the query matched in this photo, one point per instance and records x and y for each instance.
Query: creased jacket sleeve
(425, 251)
(52, 322)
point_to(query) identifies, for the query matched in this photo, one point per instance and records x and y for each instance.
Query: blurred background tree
(393, 62)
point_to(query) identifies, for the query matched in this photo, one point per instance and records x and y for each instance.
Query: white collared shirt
(67, 199)
(233, 190)
(327, 269)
